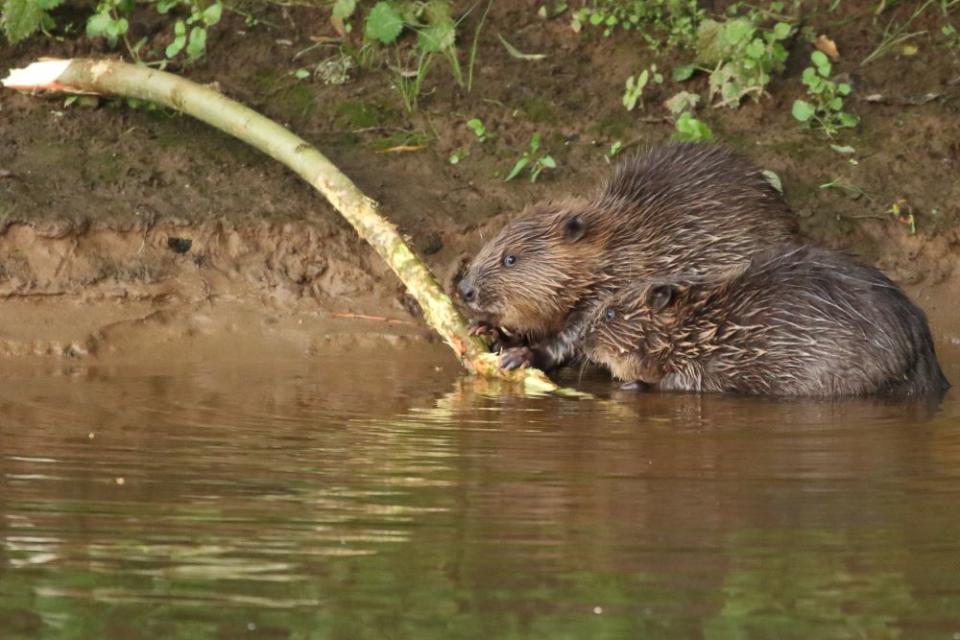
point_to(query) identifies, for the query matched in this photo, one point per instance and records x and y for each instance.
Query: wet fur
(677, 209)
(799, 321)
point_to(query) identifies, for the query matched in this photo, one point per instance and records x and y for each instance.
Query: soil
(124, 229)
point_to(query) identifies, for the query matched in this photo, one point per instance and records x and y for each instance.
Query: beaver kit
(798, 321)
(677, 209)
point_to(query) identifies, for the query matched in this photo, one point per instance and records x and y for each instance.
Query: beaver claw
(483, 329)
(517, 358)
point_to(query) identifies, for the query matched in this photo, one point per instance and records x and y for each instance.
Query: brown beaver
(797, 321)
(680, 208)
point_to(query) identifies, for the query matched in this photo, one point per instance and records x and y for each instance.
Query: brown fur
(796, 321)
(677, 209)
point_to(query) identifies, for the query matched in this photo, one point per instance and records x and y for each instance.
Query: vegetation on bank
(776, 53)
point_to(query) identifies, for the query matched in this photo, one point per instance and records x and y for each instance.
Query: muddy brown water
(365, 496)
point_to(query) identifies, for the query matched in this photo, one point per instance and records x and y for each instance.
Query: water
(388, 498)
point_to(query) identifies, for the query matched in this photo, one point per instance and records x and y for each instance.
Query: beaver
(679, 208)
(796, 321)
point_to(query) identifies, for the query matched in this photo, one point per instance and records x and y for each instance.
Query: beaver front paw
(483, 329)
(517, 358)
(635, 385)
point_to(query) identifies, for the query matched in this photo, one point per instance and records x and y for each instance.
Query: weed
(480, 131)
(614, 150)
(409, 83)
(533, 159)
(633, 93)
(22, 18)
(740, 57)
(109, 21)
(951, 36)
(436, 30)
(690, 129)
(673, 22)
(826, 109)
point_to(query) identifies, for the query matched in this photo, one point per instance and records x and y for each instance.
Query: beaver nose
(468, 293)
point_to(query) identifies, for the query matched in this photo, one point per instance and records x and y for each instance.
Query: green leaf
(781, 30)
(97, 24)
(548, 162)
(436, 38)
(683, 101)
(683, 72)
(343, 9)
(823, 63)
(21, 18)
(383, 23)
(845, 150)
(211, 15)
(197, 44)
(836, 104)
(738, 31)
(849, 120)
(517, 168)
(773, 179)
(689, 129)
(756, 49)
(843, 89)
(803, 110)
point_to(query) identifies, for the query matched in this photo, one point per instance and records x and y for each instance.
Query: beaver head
(638, 333)
(530, 275)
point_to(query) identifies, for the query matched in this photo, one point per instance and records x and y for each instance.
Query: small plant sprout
(688, 128)
(657, 22)
(109, 21)
(825, 108)
(476, 126)
(633, 93)
(532, 159)
(614, 150)
(740, 57)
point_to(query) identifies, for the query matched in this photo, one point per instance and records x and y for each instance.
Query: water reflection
(367, 497)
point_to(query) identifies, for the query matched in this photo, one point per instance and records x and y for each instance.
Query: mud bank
(220, 287)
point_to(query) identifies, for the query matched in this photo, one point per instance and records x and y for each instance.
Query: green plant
(436, 34)
(614, 150)
(740, 57)
(480, 131)
(658, 22)
(825, 110)
(633, 92)
(895, 34)
(690, 129)
(533, 159)
(22, 18)
(687, 127)
(410, 83)
(109, 21)
(951, 35)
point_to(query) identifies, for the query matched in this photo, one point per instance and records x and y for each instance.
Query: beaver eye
(610, 314)
(509, 261)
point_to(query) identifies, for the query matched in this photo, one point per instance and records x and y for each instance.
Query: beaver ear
(574, 229)
(660, 296)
